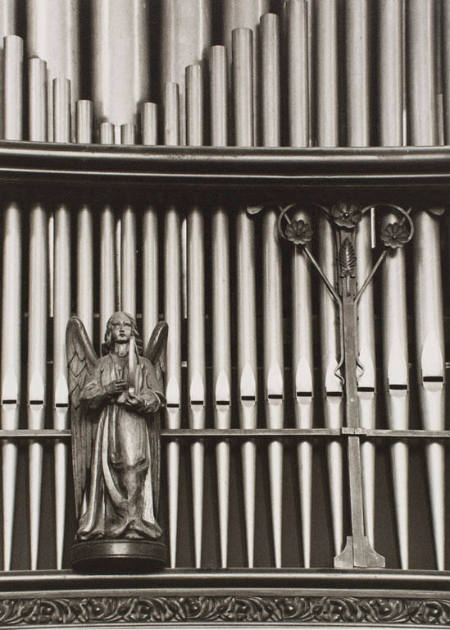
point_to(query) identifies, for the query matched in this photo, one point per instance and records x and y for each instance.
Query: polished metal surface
(196, 310)
(327, 134)
(186, 36)
(422, 131)
(331, 385)
(446, 67)
(8, 26)
(221, 306)
(37, 310)
(11, 295)
(395, 320)
(326, 73)
(85, 245)
(246, 14)
(172, 315)
(121, 62)
(272, 271)
(297, 34)
(150, 238)
(53, 36)
(246, 296)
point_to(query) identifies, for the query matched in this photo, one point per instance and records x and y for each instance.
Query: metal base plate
(118, 556)
(361, 555)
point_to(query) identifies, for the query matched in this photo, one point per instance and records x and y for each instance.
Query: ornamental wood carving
(340, 611)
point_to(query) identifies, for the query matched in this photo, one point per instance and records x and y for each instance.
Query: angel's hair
(108, 343)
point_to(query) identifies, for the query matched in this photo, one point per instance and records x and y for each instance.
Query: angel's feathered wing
(81, 360)
(156, 354)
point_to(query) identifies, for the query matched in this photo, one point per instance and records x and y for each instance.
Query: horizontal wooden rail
(226, 167)
(245, 434)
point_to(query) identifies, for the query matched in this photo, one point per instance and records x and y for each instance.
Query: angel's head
(119, 328)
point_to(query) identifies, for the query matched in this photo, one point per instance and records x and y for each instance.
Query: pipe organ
(270, 179)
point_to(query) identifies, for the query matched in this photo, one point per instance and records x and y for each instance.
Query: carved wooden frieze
(80, 611)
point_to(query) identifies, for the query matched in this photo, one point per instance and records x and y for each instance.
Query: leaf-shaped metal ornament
(347, 259)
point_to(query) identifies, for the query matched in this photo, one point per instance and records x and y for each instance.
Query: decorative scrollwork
(80, 611)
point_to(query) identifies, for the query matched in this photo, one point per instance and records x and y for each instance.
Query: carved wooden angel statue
(114, 404)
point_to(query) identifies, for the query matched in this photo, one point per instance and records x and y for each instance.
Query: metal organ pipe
(37, 308)
(327, 132)
(85, 246)
(172, 315)
(120, 47)
(245, 14)
(53, 35)
(395, 323)
(358, 125)
(150, 268)
(296, 23)
(11, 295)
(8, 12)
(221, 299)
(246, 292)
(186, 37)
(273, 302)
(61, 314)
(422, 130)
(196, 309)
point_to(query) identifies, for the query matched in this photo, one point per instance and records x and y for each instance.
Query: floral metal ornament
(346, 215)
(395, 235)
(298, 232)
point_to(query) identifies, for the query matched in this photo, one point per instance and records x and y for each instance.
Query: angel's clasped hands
(142, 405)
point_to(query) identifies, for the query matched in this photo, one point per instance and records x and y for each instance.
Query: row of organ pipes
(245, 86)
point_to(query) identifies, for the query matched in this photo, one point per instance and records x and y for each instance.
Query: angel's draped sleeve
(151, 385)
(93, 394)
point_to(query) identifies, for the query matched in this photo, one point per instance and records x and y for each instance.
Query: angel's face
(121, 328)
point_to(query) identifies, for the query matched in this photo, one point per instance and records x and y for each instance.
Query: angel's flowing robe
(119, 496)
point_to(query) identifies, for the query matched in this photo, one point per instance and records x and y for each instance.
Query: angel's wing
(156, 350)
(81, 360)
(156, 354)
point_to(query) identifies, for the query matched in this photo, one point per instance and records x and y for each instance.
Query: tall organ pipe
(61, 314)
(53, 35)
(8, 14)
(126, 243)
(120, 53)
(150, 306)
(37, 308)
(395, 325)
(422, 128)
(246, 295)
(327, 132)
(196, 309)
(221, 300)
(296, 24)
(11, 294)
(107, 248)
(172, 314)
(273, 300)
(358, 135)
(85, 246)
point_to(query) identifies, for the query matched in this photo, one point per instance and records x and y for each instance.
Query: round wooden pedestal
(118, 556)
